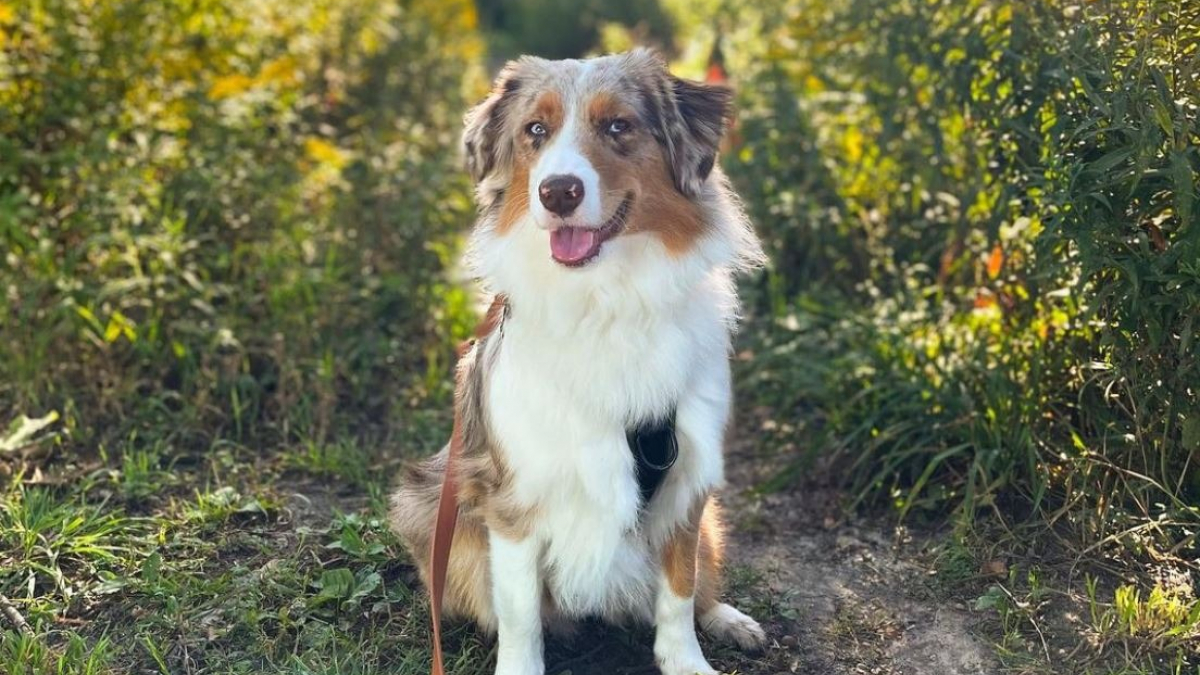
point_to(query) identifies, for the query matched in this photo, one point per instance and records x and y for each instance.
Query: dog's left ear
(692, 136)
(485, 149)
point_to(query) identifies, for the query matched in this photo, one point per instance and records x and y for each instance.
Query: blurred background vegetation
(230, 231)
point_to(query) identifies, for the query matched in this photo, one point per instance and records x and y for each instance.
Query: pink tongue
(573, 244)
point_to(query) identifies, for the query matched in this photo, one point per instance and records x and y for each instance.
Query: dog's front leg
(517, 598)
(676, 647)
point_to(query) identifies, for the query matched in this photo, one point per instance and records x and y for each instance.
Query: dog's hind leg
(676, 647)
(414, 508)
(718, 619)
(689, 595)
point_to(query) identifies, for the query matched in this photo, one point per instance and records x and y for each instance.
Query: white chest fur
(559, 401)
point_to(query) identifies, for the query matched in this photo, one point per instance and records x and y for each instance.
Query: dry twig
(14, 616)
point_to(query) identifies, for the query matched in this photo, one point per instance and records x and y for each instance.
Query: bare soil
(848, 596)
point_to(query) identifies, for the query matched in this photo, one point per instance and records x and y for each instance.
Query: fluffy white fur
(585, 354)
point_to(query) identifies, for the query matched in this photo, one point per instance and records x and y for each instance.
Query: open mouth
(576, 246)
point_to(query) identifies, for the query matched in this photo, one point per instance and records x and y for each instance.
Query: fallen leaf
(994, 568)
(1156, 237)
(23, 429)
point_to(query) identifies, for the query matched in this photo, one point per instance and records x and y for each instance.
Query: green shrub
(231, 219)
(561, 29)
(1007, 193)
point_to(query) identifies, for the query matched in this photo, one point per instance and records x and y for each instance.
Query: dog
(611, 239)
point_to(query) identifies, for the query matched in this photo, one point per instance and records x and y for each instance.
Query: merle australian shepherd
(611, 238)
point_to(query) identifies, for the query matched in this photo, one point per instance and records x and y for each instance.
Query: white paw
(507, 664)
(523, 669)
(686, 667)
(727, 624)
(678, 653)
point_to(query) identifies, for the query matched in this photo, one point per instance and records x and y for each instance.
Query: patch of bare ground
(839, 596)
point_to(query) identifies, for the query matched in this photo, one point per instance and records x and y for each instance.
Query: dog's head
(589, 151)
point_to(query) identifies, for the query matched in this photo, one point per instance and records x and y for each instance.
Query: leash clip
(655, 449)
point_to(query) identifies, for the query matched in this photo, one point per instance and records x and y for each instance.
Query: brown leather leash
(447, 512)
(443, 537)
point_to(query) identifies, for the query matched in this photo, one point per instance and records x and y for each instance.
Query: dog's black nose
(561, 194)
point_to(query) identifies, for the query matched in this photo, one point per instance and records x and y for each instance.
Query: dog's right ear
(686, 118)
(485, 148)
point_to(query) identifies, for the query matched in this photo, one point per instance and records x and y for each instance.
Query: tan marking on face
(616, 179)
(663, 211)
(635, 165)
(605, 106)
(549, 110)
(516, 197)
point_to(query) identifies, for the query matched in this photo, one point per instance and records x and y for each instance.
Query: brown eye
(617, 127)
(536, 129)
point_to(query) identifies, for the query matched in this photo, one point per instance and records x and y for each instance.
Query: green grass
(244, 574)
(22, 654)
(1121, 632)
(345, 461)
(58, 543)
(154, 559)
(235, 578)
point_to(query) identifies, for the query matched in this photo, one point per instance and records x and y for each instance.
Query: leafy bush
(560, 29)
(229, 218)
(1009, 192)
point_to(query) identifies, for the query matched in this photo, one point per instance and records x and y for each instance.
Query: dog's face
(589, 151)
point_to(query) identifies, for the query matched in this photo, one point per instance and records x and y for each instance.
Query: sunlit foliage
(1009, 191)
(228, 216)
(560, 29)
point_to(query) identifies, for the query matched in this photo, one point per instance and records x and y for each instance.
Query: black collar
(655, 450)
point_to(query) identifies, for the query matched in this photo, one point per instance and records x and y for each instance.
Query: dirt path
(845, 597)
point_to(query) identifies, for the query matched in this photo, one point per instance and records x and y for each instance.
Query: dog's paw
(680, 653)
(529, 668)
(686, 667)
(727, 624)
(518, 664)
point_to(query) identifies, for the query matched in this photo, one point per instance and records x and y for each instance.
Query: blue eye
(617, 127)
(536, 129)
